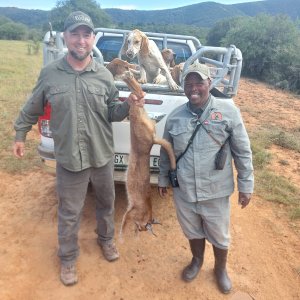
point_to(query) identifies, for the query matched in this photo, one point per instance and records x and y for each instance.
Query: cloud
(126, 7)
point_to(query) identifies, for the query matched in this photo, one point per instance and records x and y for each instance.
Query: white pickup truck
(225, 64)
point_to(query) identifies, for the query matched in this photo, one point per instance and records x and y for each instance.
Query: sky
(123, 4)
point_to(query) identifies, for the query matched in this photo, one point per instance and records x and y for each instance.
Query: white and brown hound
(153, 68)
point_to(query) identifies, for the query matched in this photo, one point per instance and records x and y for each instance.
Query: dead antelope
(118, 67)
(142, 135)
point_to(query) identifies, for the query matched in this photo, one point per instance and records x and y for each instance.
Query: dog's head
(176, 72)
(136, 43)
(169, 57)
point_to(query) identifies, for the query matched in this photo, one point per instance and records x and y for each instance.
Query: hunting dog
(176, 72)
(169, 57)
(153, 68)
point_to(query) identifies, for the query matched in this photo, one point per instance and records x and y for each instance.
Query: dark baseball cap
(78, 18)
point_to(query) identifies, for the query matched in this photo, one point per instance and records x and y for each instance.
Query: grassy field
(268, 185)
(18, 74)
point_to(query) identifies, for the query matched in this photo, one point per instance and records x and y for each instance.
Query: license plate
(122, 160)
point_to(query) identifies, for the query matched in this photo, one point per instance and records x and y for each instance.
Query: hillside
(204, 14)
(29, 17)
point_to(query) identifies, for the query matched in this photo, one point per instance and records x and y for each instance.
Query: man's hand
(18, 149)
(134, 100)
(163, 191)
(244, 199)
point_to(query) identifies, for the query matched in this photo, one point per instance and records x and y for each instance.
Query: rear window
(182, 51)
(110, 47)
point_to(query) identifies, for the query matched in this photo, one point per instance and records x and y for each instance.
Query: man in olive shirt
(84, 102)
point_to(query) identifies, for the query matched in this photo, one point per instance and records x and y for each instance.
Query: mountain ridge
(204, 14)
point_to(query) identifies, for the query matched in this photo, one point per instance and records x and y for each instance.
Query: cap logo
(76, 19)
(82, 18)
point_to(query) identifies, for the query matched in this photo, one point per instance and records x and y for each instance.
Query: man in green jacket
(202, 198)
(84, 102)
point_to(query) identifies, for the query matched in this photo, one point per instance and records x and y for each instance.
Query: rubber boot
(191, 271)
(223, 280)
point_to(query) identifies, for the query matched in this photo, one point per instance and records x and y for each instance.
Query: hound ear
(172, 63)
(124, 46)
(144, 44)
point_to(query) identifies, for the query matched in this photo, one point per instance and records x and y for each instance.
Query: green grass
(278, 189)
(18, 74)
(288, 140)
(270, 186)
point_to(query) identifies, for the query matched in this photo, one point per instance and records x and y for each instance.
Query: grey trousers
(71, 190)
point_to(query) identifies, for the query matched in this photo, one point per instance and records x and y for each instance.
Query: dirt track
(264, 260)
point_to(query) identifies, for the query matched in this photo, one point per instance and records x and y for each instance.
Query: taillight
(44, 122)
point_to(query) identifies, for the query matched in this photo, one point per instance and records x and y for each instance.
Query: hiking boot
(68, 275)
(110, 251)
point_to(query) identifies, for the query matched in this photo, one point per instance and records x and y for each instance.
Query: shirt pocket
(218, 131)
(96, 98)
(59, 97)
(180, 137)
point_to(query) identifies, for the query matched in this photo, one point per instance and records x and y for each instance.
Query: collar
(65, 66)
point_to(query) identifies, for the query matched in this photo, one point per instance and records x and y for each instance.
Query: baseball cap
(196, 67)
(76, 19)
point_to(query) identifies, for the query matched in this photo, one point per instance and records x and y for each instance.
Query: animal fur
(118, 67)
(153, 68)
(142, 135)
(176, 72)
(169, 57)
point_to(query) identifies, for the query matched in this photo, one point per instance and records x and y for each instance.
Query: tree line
(269, 43)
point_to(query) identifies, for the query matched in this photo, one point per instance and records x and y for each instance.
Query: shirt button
(78, 91)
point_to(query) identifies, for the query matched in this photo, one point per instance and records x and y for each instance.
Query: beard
(78, 56)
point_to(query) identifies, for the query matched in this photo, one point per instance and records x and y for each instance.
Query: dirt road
(264, 259)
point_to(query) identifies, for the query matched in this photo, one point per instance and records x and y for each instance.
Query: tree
(270, 47)
(35, 34)
(4, 20)
(12, 31)
(65, 7)
(220, 29)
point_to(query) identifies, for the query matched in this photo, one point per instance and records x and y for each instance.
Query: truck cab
(225, 65)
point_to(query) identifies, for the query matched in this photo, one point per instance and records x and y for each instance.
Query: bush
(12, 31)
(270, 46)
